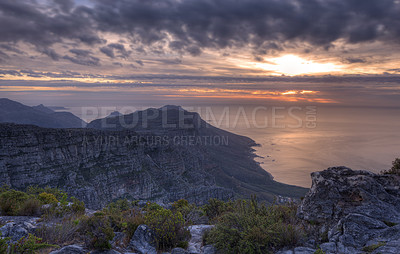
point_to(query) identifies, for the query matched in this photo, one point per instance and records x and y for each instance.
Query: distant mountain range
(15, 112)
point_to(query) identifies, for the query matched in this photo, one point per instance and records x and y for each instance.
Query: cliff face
(98, 166)
(355, 210)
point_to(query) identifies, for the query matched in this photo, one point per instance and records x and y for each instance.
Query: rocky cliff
(99, 166)
(356, 211)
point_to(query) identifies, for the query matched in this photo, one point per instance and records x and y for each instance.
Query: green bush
(216, 208)
(395, 170)
(97, 232)
(30, 207)
(11, 202)
(47, 198)
(168, 227)
(62, 234)
(190, 212)
(254, 228)
(28, 245)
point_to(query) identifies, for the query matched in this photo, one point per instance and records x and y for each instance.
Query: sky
(319, 51)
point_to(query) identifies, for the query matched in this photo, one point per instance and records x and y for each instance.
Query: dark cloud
(265, 24)
(49, 52)
(353, 60)
(118, 64)
(139, 62)
(26, 21)
(194, 25)
(83, 57)
(109, 50)
(11, 48)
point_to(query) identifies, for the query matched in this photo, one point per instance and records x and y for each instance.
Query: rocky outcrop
(70, 249)
(356, 210)
(143, 240)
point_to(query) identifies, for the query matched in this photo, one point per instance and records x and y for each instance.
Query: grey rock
(285, 252)
(392, 247)
(105, 252)
(14, 231)
(70, 249)
(356, 207)
(303, 250)
(179, 251)
(143, 240)
(209, 249)
(329, 248)
(196, 241)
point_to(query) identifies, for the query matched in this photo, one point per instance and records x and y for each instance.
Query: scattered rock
(14, 231)
(328, 248)
(196, 241)
(70, 249)
(209, 249)
(179, 251)
(304, 250)
(143, 240)
(105, 252)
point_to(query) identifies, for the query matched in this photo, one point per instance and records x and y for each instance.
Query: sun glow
(294, 65)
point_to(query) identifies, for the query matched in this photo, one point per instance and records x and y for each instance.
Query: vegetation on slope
(242, 226)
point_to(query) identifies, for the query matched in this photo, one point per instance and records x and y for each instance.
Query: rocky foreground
(355, 211)
(345, 211)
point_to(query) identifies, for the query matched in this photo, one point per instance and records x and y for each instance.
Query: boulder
(105, 252)
(14, 231)
(70, 249)
(303, 250)
(143, 240)
(179, 251)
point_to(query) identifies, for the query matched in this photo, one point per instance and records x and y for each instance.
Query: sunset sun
(294, 65)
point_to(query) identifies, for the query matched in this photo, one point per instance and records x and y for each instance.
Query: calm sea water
(359, 138)
(296, 141)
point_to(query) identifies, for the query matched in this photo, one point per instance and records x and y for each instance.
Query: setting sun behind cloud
(292, 65)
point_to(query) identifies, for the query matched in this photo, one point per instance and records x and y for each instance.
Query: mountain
(15, 112)
(158, 161)
(235, 167)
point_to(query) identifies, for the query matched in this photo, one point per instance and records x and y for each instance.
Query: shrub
(77, 206)
(216, 208)
(29, 245)
(97, 232)
(11, 202)
(30, 207)
(47, 198)
(190, 212)
(395, 170)
(254, 228)
(168, 227)
(63, 233)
